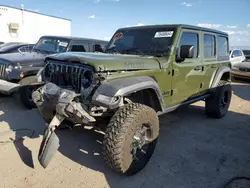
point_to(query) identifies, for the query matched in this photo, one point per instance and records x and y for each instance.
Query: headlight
(9, 68)
(18, 66)
(39, 75)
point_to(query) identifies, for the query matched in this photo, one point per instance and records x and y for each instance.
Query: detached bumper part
(8, 87)
(50, 100)
(50, 142)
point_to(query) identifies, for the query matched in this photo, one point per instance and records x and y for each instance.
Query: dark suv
(18, 70)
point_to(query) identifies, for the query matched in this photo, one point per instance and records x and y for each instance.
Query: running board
(189, 101)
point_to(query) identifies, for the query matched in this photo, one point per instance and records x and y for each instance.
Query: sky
(101, 18)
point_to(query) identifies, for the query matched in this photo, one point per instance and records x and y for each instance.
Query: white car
(238, 56)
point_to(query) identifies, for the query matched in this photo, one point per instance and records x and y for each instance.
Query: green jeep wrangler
(143, 73)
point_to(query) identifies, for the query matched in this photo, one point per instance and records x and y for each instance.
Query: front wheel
(26, 90)
(218, 103)
(130, 138)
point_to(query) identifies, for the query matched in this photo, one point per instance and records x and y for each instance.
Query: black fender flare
(218, 75)
(110, 93)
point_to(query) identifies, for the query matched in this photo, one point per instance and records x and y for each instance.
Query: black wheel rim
(224, 99)
(141, 142)
(29, 93)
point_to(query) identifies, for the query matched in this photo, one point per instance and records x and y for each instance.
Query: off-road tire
(25, 91)
(119, 136)
(214, 105)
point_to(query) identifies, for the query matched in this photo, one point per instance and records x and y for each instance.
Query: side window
(223, 47)
(98, 47)
(189, 38)
(79, 47)
(209, 46)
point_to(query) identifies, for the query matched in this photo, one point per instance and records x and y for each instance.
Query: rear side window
(223, 47)
(209, 46)
(79, 47)
(189, 38)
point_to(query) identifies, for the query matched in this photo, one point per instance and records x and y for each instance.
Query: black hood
(25, 58)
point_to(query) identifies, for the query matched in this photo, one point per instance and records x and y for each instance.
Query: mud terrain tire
(218, 103)
(120, 136)
(25, 91)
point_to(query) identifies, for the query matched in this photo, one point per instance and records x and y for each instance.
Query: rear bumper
(8, 87)
(240, 74)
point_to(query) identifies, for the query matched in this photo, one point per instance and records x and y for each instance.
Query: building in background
(20, 25)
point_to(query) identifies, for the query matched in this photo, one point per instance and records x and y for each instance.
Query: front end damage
(56, 104)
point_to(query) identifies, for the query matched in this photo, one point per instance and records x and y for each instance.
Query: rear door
(209, 57)
(187, 74)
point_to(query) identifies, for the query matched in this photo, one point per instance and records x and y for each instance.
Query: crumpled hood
(23, 58)
(105, 61)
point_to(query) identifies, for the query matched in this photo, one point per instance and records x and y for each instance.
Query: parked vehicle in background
(238, 56)
(16, 48)
(144, 72)
(18, 70)
(1, 43)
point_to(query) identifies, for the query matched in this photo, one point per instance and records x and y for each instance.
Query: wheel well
(226, 76)
(147, 97)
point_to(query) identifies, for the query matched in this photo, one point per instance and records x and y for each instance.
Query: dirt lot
(193, 150)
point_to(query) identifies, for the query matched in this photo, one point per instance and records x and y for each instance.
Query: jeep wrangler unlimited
(143, 73)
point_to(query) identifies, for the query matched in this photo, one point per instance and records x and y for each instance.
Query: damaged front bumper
(8, 88)
(56, 104)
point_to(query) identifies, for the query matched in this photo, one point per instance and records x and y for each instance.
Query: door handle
(197, 68)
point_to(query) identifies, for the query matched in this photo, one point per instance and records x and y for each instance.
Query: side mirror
(232, 56)
(187, 51)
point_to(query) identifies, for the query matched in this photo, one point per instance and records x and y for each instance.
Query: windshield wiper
(134, 50)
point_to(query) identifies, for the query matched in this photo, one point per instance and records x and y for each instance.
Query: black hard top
(73, 38)
(185, 26)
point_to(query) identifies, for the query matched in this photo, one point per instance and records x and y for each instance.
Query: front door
(187, 74)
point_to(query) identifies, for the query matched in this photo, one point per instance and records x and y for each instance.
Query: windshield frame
(158, 28)
(51, 38)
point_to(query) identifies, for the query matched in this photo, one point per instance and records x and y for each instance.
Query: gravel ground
(193, 151)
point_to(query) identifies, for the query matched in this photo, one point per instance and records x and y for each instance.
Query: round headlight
(9, 68)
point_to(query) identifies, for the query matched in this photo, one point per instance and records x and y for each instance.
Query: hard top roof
(73, 38)
(186, 26)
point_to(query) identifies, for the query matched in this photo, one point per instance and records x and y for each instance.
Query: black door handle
(197, 68)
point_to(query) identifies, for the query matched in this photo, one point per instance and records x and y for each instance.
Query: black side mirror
(187, 51)
(232, 56)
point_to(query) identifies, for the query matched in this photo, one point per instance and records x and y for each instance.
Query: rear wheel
(218, 103)
(26, 91)
(130, 138)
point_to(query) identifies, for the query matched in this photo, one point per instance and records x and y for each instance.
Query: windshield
(246, 52)
(143, 41)
(51, 45)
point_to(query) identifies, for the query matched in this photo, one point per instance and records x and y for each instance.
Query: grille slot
(68, 75)
(2, 70)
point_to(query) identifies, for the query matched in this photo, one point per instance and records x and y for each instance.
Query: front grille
(68, 75)
(244, 69)
(2, 70)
